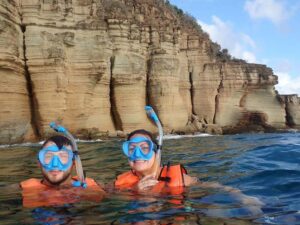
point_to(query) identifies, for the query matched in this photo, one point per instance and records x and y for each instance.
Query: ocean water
(264, 166)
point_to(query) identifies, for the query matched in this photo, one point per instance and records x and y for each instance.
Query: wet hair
(143, 132)
(59, 140)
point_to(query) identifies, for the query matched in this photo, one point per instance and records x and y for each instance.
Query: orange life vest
(170, 180)
(36, 194)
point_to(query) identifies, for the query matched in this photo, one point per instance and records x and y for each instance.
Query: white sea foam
(166, 137)
(176, 136)
(293, 130)
(89, 141)
(27, 144)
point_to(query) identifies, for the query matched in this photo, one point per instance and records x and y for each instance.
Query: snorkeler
(147, 174)
(144, 155)
(57, 159)
(141, 151)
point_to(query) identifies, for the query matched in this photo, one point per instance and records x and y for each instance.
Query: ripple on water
(262, 165)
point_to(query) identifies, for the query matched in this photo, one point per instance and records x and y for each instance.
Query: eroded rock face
(128, 75)
(71, 78)
(292, 106)
(93, 65)
(15, 115)
(164, 92)
(69, 60)
(246, 89)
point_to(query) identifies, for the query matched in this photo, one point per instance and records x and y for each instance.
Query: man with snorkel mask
(57, 187)
(146, 172)
(56, 159)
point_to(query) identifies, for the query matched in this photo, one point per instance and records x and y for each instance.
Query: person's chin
(55, 172)
(55, 175)
(140, 164)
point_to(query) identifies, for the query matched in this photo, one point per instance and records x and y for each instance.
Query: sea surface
(264, 166)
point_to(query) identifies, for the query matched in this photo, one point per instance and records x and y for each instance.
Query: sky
(258, 31)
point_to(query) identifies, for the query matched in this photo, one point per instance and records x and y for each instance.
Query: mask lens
(63, 156)
(138, 148)
(48, 157)
(53, 158)
(144, 146)
(131, 148)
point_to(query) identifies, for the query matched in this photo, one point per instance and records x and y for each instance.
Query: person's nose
(55, 160)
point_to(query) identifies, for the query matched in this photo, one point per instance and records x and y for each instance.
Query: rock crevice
(218, 94)
(35, 118)
(113, 106)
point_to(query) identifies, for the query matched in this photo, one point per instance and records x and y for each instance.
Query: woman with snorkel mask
(143, 154)
(147, 174)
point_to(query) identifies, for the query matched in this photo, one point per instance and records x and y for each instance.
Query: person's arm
(147, 182)
(11, 188)
(244, 199)
(188, 180)
(16, 187)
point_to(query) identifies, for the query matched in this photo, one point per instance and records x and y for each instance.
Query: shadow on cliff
(251, 122)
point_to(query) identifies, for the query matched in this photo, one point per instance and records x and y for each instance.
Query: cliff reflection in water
(264, 166)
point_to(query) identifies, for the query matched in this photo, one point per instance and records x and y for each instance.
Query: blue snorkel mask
(139, 148)
(53, 158)
(78, 165)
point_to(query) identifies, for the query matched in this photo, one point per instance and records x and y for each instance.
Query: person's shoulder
(31, 182)
(91, 182)
(128, 175)
(125, 174)
(94, 185)
(126, 179)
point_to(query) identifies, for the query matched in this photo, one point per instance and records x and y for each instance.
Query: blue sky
(259, 31)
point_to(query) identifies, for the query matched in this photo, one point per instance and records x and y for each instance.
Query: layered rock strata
(15, 113)
(93, 65)
(292, 106)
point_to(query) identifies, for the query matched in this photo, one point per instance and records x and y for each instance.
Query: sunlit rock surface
(92, 65)
(15, 115)
(292, 106)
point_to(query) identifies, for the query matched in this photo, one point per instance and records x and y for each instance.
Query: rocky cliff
(292, 107)
(93, 65)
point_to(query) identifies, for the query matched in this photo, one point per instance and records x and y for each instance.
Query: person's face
(56, 177)
(142, 165)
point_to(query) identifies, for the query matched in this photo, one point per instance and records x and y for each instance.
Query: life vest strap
(165, 179)
(166, 173)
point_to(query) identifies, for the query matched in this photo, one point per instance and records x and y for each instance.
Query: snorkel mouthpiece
(78, 164)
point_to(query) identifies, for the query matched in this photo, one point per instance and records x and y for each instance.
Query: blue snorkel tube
(78, 165)
(152, 115)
